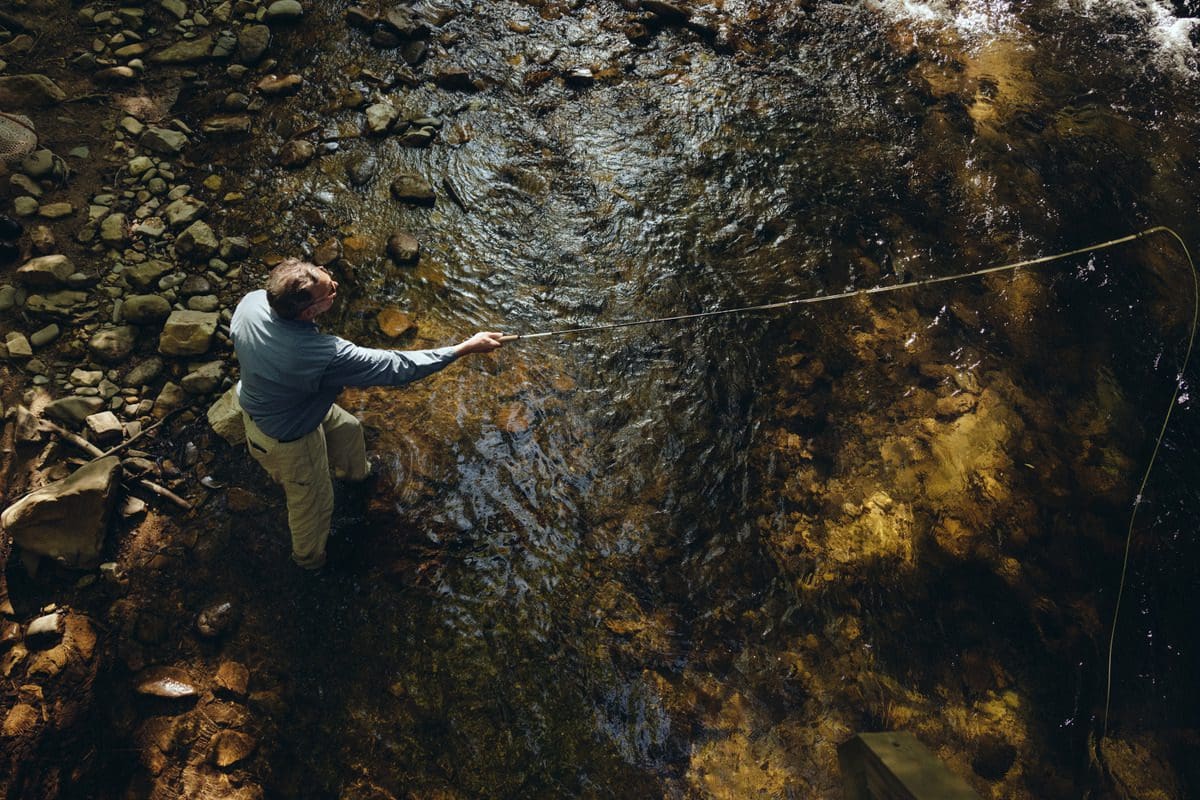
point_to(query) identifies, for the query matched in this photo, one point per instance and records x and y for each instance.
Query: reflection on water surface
(689, 560)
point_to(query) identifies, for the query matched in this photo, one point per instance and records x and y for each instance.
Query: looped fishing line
(958, 277)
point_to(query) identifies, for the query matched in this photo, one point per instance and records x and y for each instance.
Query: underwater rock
(403, 248)
(412, 188)
(297, 153)
(230, 747)
(171, 683)
(233, 678)
(394, 323)
(362, 168)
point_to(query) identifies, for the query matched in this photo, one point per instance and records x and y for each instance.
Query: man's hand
(482, 342)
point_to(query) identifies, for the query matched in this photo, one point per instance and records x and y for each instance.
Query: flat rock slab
(25, 91)
(188, 333)
(67, 520)
(45, 272)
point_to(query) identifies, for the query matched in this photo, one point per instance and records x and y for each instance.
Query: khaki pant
(302, 468)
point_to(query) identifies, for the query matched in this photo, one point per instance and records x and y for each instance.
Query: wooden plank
(896, 766)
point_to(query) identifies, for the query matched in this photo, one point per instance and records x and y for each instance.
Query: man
(291, 375)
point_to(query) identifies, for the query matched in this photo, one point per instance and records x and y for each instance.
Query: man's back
(282, 363)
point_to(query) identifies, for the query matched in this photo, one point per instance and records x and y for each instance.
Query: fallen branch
(164, 493)
(97, 453)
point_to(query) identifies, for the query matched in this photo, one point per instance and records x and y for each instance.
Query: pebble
(44, 336)
(274, 85)
(284, 10)
(25, 206)
(56, 210)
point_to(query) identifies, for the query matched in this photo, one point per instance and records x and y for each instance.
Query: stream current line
(1137, 502)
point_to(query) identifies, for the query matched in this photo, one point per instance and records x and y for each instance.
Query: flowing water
(689, 560)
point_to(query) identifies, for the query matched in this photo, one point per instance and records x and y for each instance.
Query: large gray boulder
(188, 333)
(67, 520)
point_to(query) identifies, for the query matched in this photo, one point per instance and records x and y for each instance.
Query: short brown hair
(289, 287)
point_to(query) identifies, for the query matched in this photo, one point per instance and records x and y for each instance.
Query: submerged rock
(171, 683)
(403, 248)
(230, 747)
(412, 188)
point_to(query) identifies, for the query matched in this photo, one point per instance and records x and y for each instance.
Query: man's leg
(347, 448)
(302, 468)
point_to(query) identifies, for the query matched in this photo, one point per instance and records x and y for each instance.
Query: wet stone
(217, 619)
(233, 678)
(403, 248)
(274, 85)
(361, 169)
(297, 153)
(455, 79)
(380, 117)
(231, 747)
(170, 683)
(412, 188)
(327, 252)
(394, 323)
(227, 125)
(20, 720)
(44, 631)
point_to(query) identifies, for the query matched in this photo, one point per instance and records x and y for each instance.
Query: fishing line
(512, 337)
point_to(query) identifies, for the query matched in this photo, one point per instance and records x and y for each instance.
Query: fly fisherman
(291, 373)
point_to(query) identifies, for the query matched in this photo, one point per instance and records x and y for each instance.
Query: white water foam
(1168, 36)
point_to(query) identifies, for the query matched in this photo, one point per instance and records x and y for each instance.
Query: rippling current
(689, 560)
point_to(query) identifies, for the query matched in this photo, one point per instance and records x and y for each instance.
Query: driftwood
(96, 453)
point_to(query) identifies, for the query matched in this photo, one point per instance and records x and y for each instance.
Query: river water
(689, 560)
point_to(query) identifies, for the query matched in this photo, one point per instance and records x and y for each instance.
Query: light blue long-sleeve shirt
(292, 373)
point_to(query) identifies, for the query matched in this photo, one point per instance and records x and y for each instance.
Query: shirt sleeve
(352, 365)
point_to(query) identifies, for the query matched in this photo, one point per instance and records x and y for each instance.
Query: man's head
(299, 290)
